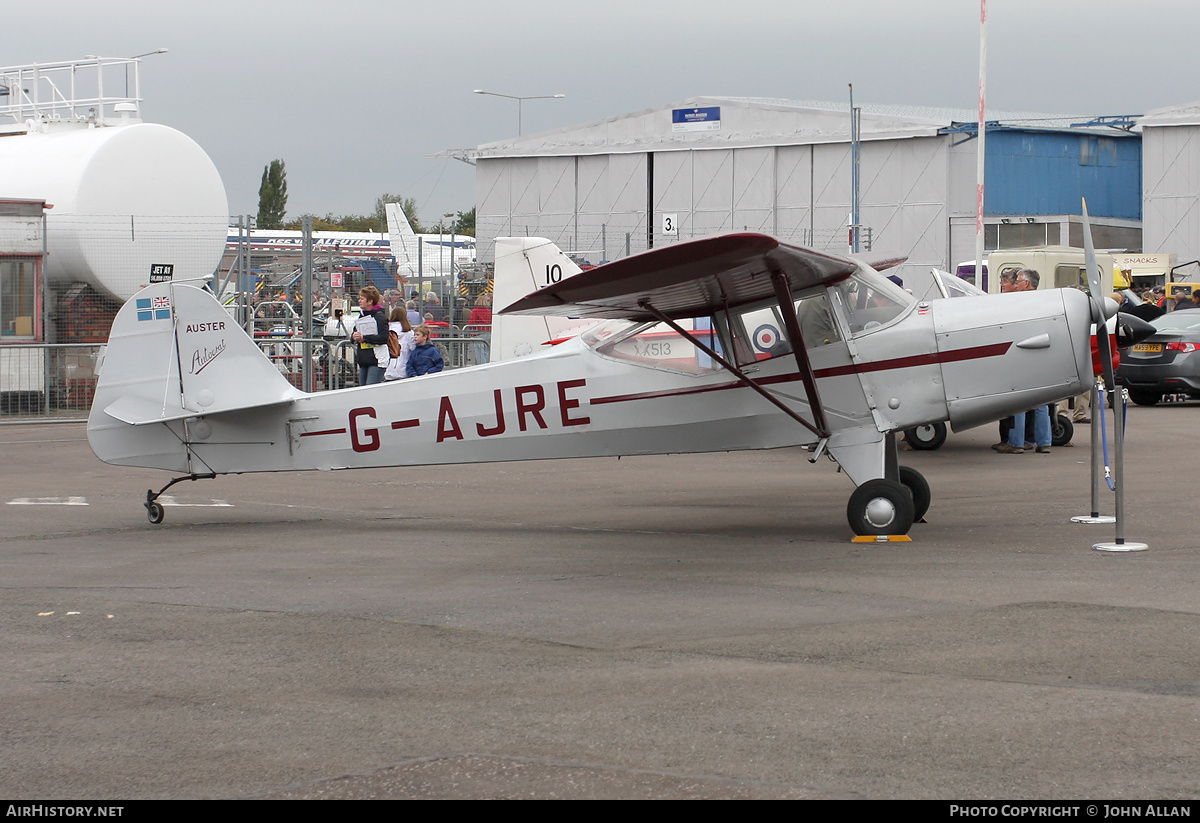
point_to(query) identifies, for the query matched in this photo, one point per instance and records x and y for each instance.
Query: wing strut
(787, 307)
(736, 372)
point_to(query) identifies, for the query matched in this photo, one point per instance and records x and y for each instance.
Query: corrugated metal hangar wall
(590, 188)
(598, 204)
(1171, 148)
(603, 189)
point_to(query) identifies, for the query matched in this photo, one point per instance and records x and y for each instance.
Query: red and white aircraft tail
(524, 265)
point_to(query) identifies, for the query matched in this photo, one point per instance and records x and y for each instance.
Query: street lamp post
(452, 298)
(520, 100)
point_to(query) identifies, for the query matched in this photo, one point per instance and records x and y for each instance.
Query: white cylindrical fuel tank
(124, 198)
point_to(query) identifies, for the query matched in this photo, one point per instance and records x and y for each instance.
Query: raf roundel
(766, 337)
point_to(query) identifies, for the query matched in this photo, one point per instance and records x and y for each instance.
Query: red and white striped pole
(982, 135)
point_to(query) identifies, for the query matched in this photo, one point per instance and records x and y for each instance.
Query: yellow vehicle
(1177, 292)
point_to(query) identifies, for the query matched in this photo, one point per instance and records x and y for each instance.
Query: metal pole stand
(1098, 408)
(1119, 545)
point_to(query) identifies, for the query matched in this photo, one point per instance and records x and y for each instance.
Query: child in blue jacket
(425, 358)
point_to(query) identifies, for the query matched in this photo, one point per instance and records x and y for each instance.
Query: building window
(17, 284)
(1018, 235)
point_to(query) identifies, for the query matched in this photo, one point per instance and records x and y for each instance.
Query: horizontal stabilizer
(137, 411)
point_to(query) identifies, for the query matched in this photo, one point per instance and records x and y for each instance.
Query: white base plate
(1120, 547)
(1087, 518)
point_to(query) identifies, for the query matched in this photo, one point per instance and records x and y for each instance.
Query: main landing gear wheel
(1144, 397)
(154, 512)
(918, 486)
(926, 438)
(880, 507)
(1061, 431)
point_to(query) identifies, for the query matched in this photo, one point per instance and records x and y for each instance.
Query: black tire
(1061, 431)
(926, 438)
(918, 487)
(1145, 397)
(880, 507)
(154, 512)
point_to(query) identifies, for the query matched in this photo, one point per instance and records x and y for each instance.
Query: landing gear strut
(154, 509)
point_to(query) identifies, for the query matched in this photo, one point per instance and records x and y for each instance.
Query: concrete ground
(689, 626)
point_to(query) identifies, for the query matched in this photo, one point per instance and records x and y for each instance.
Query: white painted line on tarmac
(48, 501)
(169, 500)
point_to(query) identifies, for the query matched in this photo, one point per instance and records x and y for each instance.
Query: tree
(272, 196)
(408, 205)
(465, 222)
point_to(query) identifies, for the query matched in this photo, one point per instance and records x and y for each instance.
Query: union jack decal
(154, 308)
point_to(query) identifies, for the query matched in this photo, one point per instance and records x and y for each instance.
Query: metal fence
(45, 383)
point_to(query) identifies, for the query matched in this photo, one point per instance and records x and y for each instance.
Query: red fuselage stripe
(327, 431)
(973, 353)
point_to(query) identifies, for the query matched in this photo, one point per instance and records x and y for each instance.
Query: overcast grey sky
(354, 96)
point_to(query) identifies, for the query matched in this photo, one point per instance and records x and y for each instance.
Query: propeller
(1098, 300)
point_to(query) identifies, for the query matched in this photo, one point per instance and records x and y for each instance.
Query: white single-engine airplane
(724, 343)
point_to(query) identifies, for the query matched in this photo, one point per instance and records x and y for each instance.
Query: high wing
(689, 279)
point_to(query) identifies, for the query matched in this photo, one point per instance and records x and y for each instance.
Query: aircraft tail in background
(402, 240)
(524, 265)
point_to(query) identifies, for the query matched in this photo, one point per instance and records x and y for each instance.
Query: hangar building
(1171, 158)
(711, 164)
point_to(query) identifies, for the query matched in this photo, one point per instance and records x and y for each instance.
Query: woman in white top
(396, 367)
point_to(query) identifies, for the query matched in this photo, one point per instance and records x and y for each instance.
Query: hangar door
(715, 190)
(585, 204)
(1171, 198)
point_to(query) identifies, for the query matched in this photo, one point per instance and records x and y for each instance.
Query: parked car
(1167, 362)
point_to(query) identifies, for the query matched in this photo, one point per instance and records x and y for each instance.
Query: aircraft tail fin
(174, 353)
(524, 265)
(402, 240)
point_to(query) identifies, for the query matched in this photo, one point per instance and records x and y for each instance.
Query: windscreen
(872, 300)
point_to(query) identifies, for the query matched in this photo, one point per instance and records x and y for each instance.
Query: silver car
(1168, 362)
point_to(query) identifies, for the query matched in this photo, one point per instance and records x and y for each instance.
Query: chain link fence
(42, 383)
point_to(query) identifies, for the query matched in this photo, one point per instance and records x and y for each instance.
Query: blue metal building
(1048, 172)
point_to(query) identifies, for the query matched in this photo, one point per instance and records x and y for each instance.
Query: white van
(1060, 267)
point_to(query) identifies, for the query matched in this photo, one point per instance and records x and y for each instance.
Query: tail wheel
(154, 512)
(880, 507)
(926, 438)
(1062, 431)
(918, 486)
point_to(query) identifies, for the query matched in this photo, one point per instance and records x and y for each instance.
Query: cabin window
(760, 333)
(657, 344)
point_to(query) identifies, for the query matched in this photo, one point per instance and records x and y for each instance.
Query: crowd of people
(396, 344)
